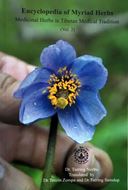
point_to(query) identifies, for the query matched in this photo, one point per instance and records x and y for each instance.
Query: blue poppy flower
(68, 86)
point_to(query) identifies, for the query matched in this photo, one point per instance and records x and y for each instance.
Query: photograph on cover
(63, 94)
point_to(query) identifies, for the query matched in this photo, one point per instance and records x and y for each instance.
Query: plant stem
(45, 184)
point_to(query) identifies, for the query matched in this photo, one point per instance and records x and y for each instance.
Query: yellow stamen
(63, 88)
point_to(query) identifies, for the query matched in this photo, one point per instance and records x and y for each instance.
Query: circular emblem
(81, 155)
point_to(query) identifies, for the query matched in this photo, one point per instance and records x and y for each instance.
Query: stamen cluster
(63, 88)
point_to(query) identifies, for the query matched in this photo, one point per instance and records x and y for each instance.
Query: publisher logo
(80, 155)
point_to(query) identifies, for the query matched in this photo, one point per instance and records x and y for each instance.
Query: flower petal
(90, 71)
(90, 107)
(35, 107)
(24, 92)
(34, 81)
(58, 55)
(75, 125)
(30, 78)
(43, 76)
(68, 52)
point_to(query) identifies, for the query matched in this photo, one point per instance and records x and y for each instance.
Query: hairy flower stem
(46, 185)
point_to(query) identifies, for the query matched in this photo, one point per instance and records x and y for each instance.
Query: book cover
(49, 41)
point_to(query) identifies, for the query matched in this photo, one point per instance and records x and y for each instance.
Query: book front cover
(55, 58)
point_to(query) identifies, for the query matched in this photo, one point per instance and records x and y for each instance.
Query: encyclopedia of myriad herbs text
(75, 12)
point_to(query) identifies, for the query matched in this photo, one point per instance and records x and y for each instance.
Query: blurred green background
(25, 40)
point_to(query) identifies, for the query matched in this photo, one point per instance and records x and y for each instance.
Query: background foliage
(26, 40)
